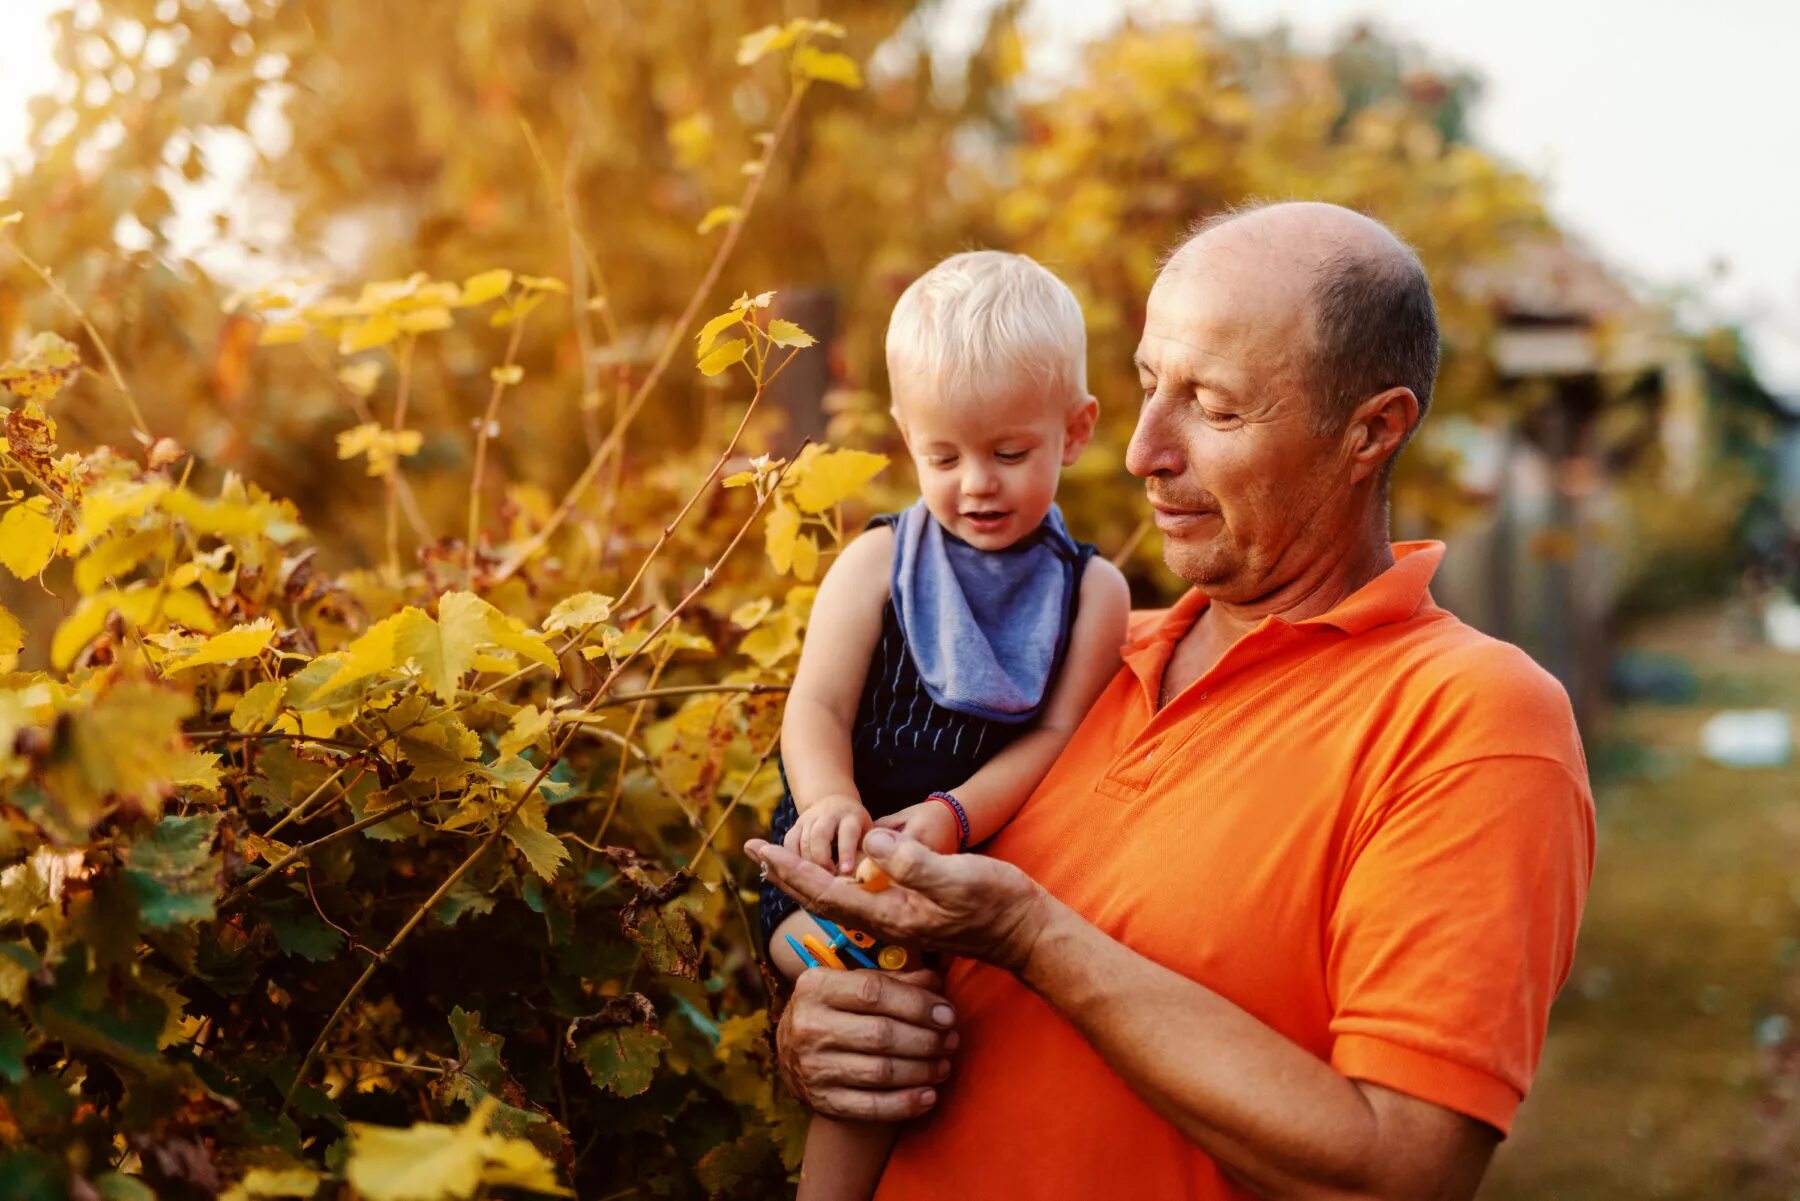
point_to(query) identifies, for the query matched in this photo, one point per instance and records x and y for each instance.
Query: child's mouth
(986, 520)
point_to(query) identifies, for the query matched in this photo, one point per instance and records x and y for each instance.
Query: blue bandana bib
(985, 628)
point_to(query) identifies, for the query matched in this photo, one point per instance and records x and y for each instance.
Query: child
(955, 646)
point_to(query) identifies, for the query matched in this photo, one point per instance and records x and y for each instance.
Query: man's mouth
(1172, 518)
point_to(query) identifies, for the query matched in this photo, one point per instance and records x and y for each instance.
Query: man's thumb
(905, 860)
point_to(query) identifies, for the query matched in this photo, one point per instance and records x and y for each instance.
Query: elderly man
(1287, 916)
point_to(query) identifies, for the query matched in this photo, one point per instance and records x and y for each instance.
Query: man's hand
(829, 832)
(931, 822)
(967, 905)
(866, 1045)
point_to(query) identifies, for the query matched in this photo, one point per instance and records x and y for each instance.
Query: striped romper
(904, 746)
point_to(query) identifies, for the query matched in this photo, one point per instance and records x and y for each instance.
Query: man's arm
(1278, 1120)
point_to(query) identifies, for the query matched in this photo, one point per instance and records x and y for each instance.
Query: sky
(1667, 132)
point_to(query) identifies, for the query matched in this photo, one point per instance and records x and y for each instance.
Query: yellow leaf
(691, 138)
(779, 534)
(516, 311)
(725, 214)
(261, 1183)
(442, 650)
(806, 556)
(581, 609)
(424, 321)
(280, 333)
(542, 849)
(830, 477)
(27, 537)
(258, 707)
(759, 301)
(378, 330)
(786, 333)
(111, 560)
(479, 289)
(543, 283)
(361, 378)
(512, 373)
(12, 218)
(195, 769)
(773, 640)
(12, 639)
(724, 356)
(372, 653)
(527, 728)
(123, 747)
(239, 642)
(136, 606)
(709, 333)
(746, 615)
(766, 40)
(827, 66)
(429, 1162)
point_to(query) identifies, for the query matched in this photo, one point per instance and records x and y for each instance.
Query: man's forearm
(1276, 1119)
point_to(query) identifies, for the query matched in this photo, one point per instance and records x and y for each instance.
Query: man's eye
(1217, 418)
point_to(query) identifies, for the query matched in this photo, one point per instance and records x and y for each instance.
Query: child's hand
(930, 822)
(831, 823)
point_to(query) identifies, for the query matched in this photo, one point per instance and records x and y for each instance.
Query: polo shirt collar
(1394, 595)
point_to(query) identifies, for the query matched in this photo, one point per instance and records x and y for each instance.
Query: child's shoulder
(865, 565)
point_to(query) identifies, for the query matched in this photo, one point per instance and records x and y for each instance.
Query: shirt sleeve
(1455, 927)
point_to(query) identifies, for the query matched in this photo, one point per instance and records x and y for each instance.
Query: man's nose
(1153, 449)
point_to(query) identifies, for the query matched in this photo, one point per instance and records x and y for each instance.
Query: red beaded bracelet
(962, 819)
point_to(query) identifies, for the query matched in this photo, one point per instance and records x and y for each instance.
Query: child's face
(988, 468)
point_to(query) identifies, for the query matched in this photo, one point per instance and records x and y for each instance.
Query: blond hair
(980, 323)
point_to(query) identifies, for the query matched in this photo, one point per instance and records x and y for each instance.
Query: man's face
(1245, 492)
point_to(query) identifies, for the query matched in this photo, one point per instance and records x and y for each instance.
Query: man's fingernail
(928, 1096)
(951, 1041)
(879, 842)
(943, 1068)
(943, 1015)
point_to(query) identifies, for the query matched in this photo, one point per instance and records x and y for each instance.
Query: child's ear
(1080, 429)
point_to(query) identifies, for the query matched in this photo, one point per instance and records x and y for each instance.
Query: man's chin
(1203, 563)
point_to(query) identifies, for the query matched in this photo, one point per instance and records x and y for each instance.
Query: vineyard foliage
(390, 672)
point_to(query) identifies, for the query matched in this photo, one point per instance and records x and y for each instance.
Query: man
(1286, 918)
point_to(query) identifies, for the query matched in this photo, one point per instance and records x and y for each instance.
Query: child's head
(987, 359)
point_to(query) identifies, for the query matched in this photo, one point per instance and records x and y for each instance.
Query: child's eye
(1010, 456)
(940, 461)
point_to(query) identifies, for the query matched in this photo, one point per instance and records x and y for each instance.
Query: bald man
(1287, 916)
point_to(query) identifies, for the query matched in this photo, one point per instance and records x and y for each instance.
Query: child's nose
(979, 481)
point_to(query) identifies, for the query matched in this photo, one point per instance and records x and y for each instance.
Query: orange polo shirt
(1372, 830)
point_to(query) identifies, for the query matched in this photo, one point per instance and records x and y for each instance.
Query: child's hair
(978, 322)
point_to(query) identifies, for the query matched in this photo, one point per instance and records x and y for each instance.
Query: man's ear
(1080, 429)
(1378, 429)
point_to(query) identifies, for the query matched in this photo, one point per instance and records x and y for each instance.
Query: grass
(1653, 1074)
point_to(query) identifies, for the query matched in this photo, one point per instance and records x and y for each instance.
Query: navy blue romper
(904, 746)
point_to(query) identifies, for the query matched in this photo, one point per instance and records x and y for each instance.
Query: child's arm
(994, 793)
(815, 732)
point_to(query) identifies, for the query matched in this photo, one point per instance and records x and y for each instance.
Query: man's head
(1288, 354)
(987, 359)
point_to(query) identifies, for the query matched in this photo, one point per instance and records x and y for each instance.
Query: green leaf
(117, 1186)
(748, 1165)
(622, 1053)
(13, 1047)
(462, 898)
(173, 873)
(478, 1049)
(306, 935)
(31, 1175)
